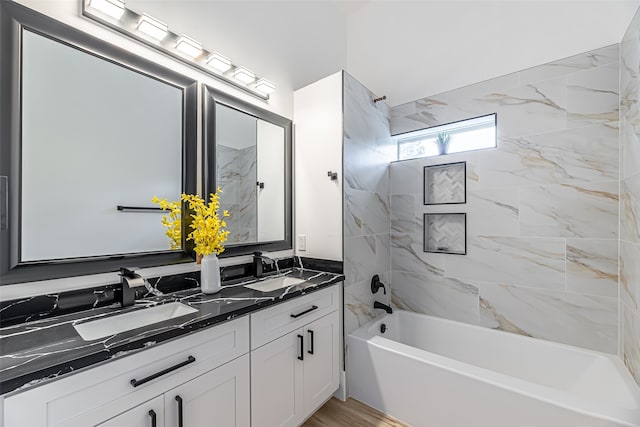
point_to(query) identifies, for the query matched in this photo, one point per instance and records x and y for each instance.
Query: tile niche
(445, 184)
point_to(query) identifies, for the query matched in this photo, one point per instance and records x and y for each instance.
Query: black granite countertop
(38, 351)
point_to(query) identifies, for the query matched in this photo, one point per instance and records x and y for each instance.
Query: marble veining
(581, 320)
(592, 266)
(538, 263)
(367, 151)
(529, 109)
(435, 295)
(588, 154)
(493, 212)
(542, 207)
(630, 209)
(629, 274)
(573, 64)
(403, 214)
(237, 171)
(631, 356)
(407, 254)
(593, 95)
(40, 350)
(630, 198)
(570, 210)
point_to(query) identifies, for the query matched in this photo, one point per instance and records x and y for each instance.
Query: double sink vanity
(89, 134)
(261, 352)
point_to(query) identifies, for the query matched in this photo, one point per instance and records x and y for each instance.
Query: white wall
(292, 43)
(408, 50)
(318, 149)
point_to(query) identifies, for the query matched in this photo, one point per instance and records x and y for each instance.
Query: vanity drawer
(59, 402)
(274, 322)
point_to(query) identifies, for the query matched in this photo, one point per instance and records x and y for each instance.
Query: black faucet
(377, 284)
(385, 307)
(259, 262)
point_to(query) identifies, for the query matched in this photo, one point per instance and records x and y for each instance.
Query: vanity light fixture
(156, 34)
(152, 27)
(243, 75)
(112, 8)
(219, 62)
(189, 46)
(265, 86)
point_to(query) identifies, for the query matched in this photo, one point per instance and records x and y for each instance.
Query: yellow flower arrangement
(208, 229)
(172, 221)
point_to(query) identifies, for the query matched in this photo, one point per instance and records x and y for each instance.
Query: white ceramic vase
(210, 274)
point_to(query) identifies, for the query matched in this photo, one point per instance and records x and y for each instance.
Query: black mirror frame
(13, 18)
(211, 97)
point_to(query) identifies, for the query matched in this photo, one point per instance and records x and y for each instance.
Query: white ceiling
(403, 49)
(408, 50)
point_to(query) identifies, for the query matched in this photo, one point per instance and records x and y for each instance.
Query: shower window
(466, 135)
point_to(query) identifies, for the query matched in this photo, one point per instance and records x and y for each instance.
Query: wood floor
(351, 413)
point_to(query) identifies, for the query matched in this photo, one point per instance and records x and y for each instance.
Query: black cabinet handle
(180, 420)
(310, 351)
(134, 382)
(313, 307)
(152, 414)
(300, 347)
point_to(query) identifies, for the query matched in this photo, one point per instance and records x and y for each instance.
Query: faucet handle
(128, 272)
(377, 284)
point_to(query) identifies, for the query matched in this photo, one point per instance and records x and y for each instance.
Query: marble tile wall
(542, 207)
(368, 149)
(237, 178)
(630, 198)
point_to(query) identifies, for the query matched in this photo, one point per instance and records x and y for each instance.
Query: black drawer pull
(300, 347)
(313, 307)
(310, 351)
(180, 419)
(134, 382)
(152, 414)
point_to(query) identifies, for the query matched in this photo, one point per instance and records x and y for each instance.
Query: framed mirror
(247, 153)
(89, 134)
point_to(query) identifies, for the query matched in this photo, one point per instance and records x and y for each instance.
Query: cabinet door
(149, 414)
(218, 398)
(321, 360)
(276, 381)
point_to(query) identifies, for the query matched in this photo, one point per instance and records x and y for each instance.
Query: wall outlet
(301, 243)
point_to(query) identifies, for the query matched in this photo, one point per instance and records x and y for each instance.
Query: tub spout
(385, 307)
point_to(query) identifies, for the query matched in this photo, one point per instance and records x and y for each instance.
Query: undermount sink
(274, 284)
(136, 319)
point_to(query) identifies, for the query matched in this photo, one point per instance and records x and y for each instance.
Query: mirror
(251, 151)
(250, 171)
(92, 133)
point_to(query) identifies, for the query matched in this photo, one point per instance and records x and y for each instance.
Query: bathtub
(434, 372)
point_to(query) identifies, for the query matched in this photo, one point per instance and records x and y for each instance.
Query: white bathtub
(433, 372)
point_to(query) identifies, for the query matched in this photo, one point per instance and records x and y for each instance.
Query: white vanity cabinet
(277, 375)
(215, 384)
(145, 415)
(219, 397)
(294, 358)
